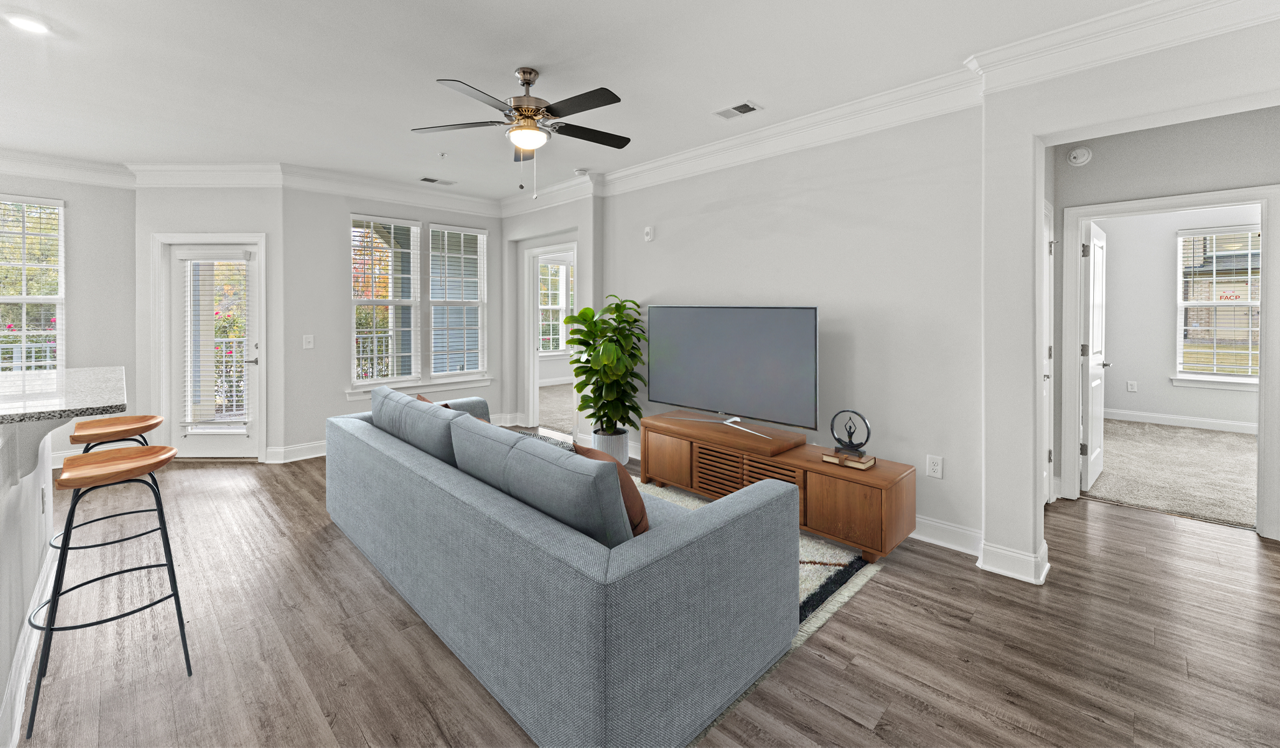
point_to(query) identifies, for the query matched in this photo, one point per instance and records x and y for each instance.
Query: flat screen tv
(758, 362)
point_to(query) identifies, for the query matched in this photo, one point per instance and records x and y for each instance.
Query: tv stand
(727, 422)
(873, 510)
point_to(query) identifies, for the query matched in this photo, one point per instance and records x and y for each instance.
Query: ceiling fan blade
(474, 93)
(459, 126)
(582, 102)
(524, 155)
(594, 136)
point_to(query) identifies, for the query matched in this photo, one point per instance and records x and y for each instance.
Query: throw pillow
(424, 425)
(630, 494)
(442, 405)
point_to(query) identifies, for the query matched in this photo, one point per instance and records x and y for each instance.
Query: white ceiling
(338, 85)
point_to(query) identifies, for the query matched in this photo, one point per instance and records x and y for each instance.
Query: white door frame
(527, 329)
(1074, 220)
(161, 326)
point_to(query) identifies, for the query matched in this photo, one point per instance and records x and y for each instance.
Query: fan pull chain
(535, 179)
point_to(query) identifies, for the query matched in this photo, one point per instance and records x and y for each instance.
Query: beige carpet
(556, 407)
(1192, 472)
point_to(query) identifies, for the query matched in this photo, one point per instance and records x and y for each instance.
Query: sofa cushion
(581, 493)
(630, 494)
(424, 425)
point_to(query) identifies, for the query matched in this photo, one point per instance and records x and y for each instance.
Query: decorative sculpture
(852, 429)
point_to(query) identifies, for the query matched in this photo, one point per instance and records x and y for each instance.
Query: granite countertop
(65, 394)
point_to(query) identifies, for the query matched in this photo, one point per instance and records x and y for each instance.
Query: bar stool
(85, 473)
(99, 431)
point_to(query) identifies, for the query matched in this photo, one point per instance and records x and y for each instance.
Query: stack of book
(847, 460)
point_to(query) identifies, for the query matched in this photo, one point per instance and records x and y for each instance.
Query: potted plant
(607, 352)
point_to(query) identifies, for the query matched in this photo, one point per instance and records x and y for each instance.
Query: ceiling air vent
(431, 180)
(745, 107)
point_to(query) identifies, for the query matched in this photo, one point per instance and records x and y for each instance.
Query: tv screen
(757, 362)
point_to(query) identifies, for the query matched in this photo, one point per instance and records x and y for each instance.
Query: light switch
(308, 341)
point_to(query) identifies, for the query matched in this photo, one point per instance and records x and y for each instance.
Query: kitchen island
(33, 404)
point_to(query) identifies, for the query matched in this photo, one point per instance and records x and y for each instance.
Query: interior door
(215, 352)
(1093, 330)
(1045, 338)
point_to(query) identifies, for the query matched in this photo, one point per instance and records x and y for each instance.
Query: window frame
(415, 303)
(429, 375)
(563, 306)
(1180, 376)
(60, 300)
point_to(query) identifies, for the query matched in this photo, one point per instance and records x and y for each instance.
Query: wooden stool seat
(112, 429)
(112, 466)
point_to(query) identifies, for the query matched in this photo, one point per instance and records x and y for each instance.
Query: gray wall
(1141, 321)
(882, 233)
(1219, 153)
(317, 292)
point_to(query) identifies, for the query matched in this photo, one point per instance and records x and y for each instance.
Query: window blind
(216, 324)
(1219, 301)
(386, 294)
(458, 276)
(31, 285)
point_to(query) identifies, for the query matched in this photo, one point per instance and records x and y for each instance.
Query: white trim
(506, 419)
(385, 219)
(1026, 567)
(419, 194)
(469, 383)
(948, 535)
(1073, 222)
(1214, 383)
(43, 166)
(277, 455)
(47, 202)
(1191, 422)
(173, 176)
(555, 381)
(560, 193)
(1131, 32)
(24, 653)
(929, 98)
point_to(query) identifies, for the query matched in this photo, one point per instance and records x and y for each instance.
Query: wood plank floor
(1151, 630)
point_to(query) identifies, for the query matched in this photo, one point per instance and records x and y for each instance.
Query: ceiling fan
(530, 121)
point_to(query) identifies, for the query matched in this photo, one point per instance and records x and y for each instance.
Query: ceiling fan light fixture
(528, 137)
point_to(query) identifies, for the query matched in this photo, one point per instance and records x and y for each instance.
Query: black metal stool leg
(173, 576)
(51, 618)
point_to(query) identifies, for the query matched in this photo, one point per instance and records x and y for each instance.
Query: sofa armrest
(476, 406)
(698, 607)
(366, 416)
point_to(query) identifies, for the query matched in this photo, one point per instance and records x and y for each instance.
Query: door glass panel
(216, 332)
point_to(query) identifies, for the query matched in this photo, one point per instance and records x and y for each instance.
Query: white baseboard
(556, 380)
(948, 535)
(1025, 567)
(507, 419)
(278, 455)
(24, 655)
(1213, 424)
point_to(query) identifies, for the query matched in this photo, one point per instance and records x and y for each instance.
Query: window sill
(1213, 383)
(553, 354)
(419, 386)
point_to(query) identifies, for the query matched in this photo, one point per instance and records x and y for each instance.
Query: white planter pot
(614, 445)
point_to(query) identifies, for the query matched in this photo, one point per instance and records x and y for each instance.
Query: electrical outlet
(933, 467)
(308, 341)
(1132, 386)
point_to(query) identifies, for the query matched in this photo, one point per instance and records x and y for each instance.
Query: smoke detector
(441, 182)
(1079, 156)
(732, 112)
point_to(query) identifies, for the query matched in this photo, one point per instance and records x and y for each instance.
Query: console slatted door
(716, 472)
(756, 470)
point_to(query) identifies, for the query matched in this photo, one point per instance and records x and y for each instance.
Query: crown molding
(1139, 30)
(588, 185)
(41, 166)
(207, 175)
(929, 98)
(422, 196)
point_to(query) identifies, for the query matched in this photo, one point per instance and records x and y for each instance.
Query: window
(385, 298)
(555, 302)
(1219, 301)
(457, 299)
(31, 284)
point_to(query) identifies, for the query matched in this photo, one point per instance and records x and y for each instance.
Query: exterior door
(215, 352)
(1093, 352)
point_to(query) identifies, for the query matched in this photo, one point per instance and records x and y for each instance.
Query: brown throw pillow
(442, 405)
(630, 494)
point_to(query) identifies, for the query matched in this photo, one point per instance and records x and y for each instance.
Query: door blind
(215, 392)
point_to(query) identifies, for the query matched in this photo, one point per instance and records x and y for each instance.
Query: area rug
(556, 408)
(830, 575)
(1196, 473)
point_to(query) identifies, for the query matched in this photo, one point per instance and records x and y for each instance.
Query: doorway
(1164, 400)
(553, 401)
(211, 362)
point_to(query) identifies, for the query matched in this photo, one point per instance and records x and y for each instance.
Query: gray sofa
(641, 643)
